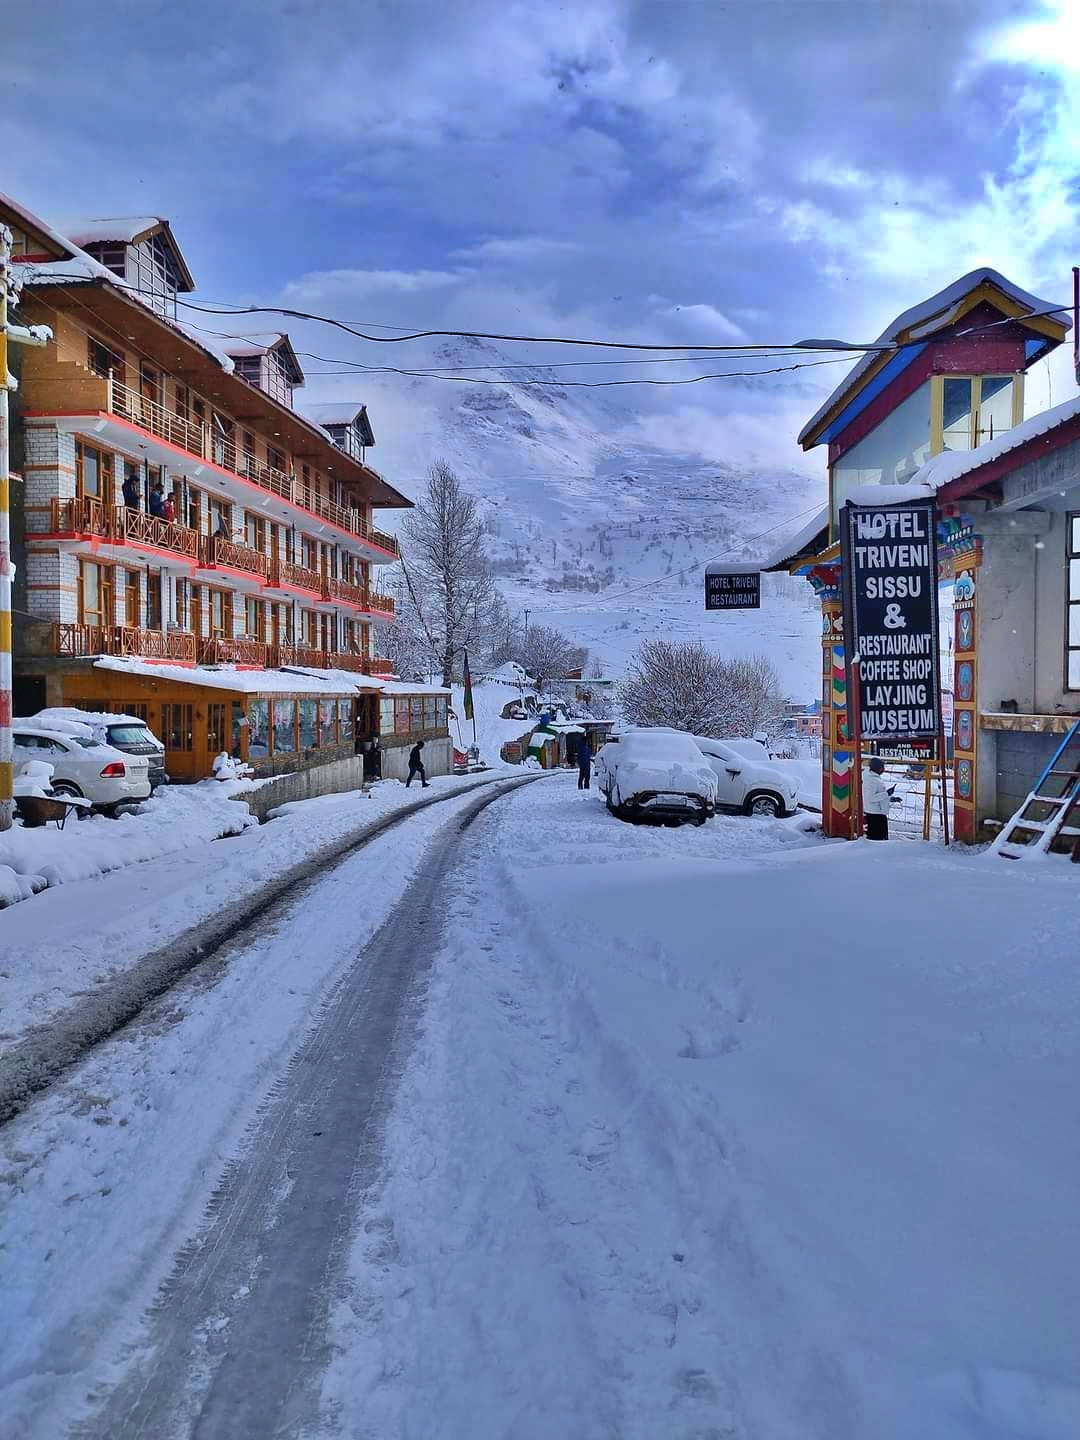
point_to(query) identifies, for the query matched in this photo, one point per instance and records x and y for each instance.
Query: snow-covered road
(717, 1132)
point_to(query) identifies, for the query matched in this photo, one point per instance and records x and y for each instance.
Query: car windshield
(129, 735)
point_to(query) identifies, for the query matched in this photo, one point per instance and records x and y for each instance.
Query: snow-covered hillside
(599, 523)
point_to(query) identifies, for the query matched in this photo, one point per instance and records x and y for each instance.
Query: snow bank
(172, 820)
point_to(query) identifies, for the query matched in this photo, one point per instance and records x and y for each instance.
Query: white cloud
(511, 250)
(359, 284)
(704, 320)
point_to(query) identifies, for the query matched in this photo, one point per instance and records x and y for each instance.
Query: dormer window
(140, 250)
(249, 368)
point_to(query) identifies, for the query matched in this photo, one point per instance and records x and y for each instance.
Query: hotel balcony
(284, 575)
(95, 404)
(91, 519)
(218, 553)
(124, 640)
(228, 650)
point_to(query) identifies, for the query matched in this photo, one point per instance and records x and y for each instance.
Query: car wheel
(764, 804)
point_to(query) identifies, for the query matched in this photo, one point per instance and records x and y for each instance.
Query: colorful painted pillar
(959, 558)
(836, 754)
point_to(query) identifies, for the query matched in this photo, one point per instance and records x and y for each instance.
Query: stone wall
(438, 759)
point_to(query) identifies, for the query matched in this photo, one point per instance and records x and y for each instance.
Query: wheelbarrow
(37, 810)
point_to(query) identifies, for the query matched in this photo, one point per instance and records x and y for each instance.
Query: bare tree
(446, 572)
(688, 688)
(547, 654)
(677, 685)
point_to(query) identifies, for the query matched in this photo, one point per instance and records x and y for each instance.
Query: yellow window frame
(937, 405)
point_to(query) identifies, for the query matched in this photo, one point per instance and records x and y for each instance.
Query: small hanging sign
(728, 588)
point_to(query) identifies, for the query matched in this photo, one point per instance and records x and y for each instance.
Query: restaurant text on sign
(732, 589)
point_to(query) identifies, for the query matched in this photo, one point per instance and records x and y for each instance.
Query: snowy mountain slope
(596, 524)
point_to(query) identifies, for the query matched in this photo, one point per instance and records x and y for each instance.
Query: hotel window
(327, 722)
(220, 613)
(276, 458)
(255, 618)
(970, 410)
(182, 401)
(258, 718)
(93, 472)
(254, 532)
(154, 607)
(183, 604)
(95, 594)
(1072, 605)
(309, 724)
(129, 580)
(284, 727)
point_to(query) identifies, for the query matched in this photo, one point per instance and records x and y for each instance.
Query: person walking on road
(876, 799)
(584, 764)
(416, 765)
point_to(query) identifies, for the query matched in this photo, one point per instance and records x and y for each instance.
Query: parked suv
(123, 732)
(746, 785)
(82, 765)
(658, 775)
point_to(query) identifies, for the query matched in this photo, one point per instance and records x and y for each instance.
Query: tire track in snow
(237, 1339)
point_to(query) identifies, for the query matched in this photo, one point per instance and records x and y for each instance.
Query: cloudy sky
(686, 173)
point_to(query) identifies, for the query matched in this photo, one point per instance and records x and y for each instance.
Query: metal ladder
(1048, 822)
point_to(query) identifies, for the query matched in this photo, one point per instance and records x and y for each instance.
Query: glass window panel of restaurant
(215, 728)
(236, 729)
(284, 727)
(176, 723)
(309, 730)
(416, 713)
(345, 720)
(440, 711)
(429, 712)
(386, 717)
(258, 723)
(1072, 605)
(327, 722)
(401, 717)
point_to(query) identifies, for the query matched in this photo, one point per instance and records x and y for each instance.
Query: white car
(747, 785)
(82, 765)
(123, 732)
(656, 774)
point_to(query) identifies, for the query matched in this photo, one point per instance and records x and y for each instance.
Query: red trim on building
(190, 457)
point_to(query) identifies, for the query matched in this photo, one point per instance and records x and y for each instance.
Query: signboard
(890, 600)
(732, 589)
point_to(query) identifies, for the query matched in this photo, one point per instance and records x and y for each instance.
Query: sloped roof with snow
(251, 344)
(334, 412)
(789, 551)
(129, 230)
(33, 225)
(925, 319)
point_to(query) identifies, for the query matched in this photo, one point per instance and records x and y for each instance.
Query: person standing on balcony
(416, 765)
(169, 510)
(157, 501)
(130, 490)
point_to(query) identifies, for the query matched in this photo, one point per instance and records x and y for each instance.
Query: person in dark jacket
(157, 501)
(131, 491)
(584, 763)
(416, 765)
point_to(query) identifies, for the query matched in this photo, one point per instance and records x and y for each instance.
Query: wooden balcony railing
(382, 604)
(284, 574)
(344, 591)
(230, 650)
(91, 516)
(124, 640)
(216, 550)
(207, 444)
(349, 660)
(137, 526)
(308, 656)
(376, 666)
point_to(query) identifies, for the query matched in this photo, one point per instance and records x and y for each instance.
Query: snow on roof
(795, 545)
(290, 681)
(121, 228)
(245, 682)
(950, 465)
(927, 317)
(334, 412)
(33, 222)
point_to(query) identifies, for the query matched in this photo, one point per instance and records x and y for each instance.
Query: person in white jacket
(876, 799)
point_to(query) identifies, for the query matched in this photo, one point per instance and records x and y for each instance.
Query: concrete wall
(438, 759)
(329, 779)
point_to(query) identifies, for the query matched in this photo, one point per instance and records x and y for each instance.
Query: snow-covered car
(755, 750)
(123, 732)
(82, 765)
(656, 774)
(746, 785)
